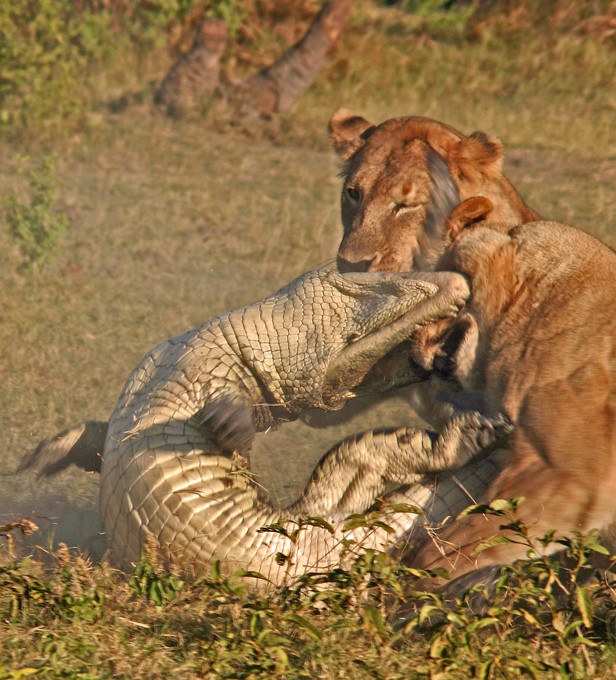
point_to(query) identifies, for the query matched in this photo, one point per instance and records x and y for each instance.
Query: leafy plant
(232, 12)
(73, 593)
(36, 224)
(42, 57)
(150, 581)
(19, 589)
(547, 617)
(441, 19)
(50, 50)
(551, 599)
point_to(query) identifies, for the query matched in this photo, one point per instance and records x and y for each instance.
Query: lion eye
(352, 194)
(403, 207)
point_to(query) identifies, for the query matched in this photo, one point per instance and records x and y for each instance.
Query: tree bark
(198, 75)
(277, 87)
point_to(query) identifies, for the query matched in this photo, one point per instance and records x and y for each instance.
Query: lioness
(538, 339)
(403, 178)
(401, 181)
(538, 342)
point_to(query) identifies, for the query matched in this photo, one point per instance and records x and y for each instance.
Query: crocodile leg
(373, 463)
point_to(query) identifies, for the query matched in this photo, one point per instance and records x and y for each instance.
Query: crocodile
(176, 463)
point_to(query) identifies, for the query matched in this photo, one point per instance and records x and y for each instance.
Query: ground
(172, 222)
(162, 237)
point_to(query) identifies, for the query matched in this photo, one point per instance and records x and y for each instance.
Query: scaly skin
(170, 466)
(175, 467)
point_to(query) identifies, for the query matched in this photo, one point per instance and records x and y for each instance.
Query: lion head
(403, 178)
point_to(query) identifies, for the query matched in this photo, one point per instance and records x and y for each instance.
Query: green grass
(173, 222)
(83, 621)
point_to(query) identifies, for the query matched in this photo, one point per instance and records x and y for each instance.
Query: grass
(83, 621)
(173, 222)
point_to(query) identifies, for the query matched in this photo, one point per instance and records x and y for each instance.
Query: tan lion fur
(403, 178)
(542, 350)
(537, 341)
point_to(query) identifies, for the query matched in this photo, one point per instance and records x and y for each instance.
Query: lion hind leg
(550, 500)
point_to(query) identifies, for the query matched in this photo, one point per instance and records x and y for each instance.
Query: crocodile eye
(352, 337)
(352, 194)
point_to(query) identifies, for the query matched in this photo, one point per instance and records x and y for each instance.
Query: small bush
(50, 50)
(441, 19)
(36, 225)
(545, 615)
(44, 49)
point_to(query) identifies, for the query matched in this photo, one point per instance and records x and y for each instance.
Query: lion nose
(345, 265)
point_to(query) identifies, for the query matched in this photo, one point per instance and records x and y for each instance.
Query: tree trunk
(197, 75)
(277, 87)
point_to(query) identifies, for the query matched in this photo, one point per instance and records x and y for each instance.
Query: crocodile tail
(81, 445)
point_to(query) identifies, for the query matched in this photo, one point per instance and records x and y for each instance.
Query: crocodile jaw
(370, 364)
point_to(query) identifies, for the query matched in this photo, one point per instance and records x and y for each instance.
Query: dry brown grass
(171, 223)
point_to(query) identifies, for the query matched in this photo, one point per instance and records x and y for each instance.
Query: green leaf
(438, 648)
(306, 625)
(419, 573)
(508, 505)
(254, 624)
(216, 570)
(593, 542)
(382, 525)
(534, 669)
(355, 521)
(478, 509)
(155, 593)
(584, 605)
(283, 657)
(427, 611)
(499, 508)
(485, 622)
(499, 539)
(23, 672)
(530, 618)
(276, 528)
(455, 618)
(484, 671)
(318, 522)
(405, 507)
(373, 620)
(280, 558)
(246, 573)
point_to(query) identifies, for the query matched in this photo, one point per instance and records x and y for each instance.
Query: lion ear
(480, 150)
(348, 132)
(468, 212)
